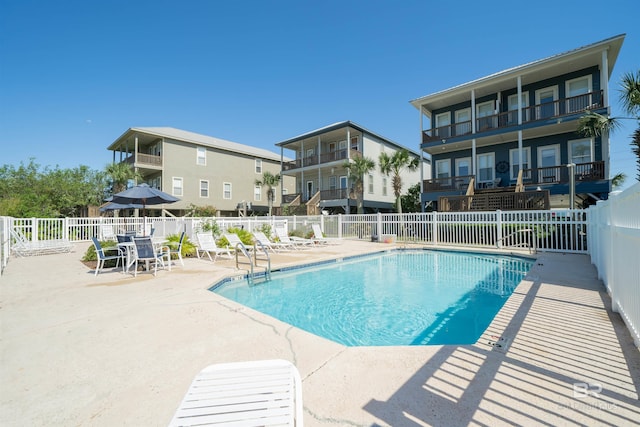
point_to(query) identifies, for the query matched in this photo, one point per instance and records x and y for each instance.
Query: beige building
(200, 170)
(323, 184)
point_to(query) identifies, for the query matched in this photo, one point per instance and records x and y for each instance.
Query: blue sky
(75, 75)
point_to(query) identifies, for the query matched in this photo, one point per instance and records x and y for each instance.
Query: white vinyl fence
(614, 242)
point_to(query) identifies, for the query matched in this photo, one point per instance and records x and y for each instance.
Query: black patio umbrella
(143, 195)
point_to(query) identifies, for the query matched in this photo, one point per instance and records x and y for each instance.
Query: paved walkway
(115, 350)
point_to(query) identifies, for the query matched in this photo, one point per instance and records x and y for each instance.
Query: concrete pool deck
(117, 350)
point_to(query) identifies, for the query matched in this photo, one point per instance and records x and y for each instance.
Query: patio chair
(178, 250)
(107, 233)
(269, 245)
(106, 254)
(259, 393)
(318, 236)
(207, 245)
(298, 243)
(144, 251)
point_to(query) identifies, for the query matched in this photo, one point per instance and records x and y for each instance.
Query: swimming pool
(392, 298)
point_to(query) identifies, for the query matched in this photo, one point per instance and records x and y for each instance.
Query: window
(257, 193)
(463, 166)
(204, 188)
(578, 94)
(384, 186)
(526, 162)
(443, 168)
(545, 101)
(354, 143)
(332, 182)
(485, 117)
(344, 181)
(177, 186)
(201, 158)
(370, 184)
(463, 121)
(512, 102)
(258, 166)
(226, 190)
(580, 151)
(486, 164)
(443, 122)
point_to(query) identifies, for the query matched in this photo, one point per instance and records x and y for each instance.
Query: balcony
(333, 194)
(551, 110)
(325, 158)
(140, 159)
(584, 172)
(526, 200)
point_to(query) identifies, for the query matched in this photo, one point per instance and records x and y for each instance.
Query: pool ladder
(240, 247)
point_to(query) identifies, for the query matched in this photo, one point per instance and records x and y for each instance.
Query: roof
(340, 125)
(199, 139)
(575, 59)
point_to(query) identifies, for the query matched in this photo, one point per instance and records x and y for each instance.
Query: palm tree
(357, 168)
(593, 124)
(120, 174)
(270, 181)
(394, 165)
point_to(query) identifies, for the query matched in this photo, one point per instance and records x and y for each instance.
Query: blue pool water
(392, 298)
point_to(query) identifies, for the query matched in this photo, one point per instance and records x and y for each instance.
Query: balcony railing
(505, 201)
(592, 171)
(333, 156)
(333, 194)
(144, 159)
(549, 110)
(447, 184)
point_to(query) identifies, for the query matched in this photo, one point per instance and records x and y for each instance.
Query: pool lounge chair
(298, 243)
(259, 393)
(21, 246)
(269, 245)
(207, 245)
(318, 236)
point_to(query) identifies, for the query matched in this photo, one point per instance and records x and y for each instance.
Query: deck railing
(324, 158)
(550, 110)
(503, 200)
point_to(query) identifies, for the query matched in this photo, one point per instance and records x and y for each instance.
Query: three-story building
(509, 140)
(323, 183)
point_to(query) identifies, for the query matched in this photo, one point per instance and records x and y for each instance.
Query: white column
(604, 84)
(473, 131)
(519, 123)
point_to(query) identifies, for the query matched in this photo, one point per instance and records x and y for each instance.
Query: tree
(411, 200)
(357, 168)
(270, 181)
(32, 191)
(394, 166)
(593, 124)
(120, 174)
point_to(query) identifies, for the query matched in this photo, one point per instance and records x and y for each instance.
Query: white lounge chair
(207, 245)
(318, 236)
(21, 246)
(259, 393)
(269, 245)
(298, 243)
